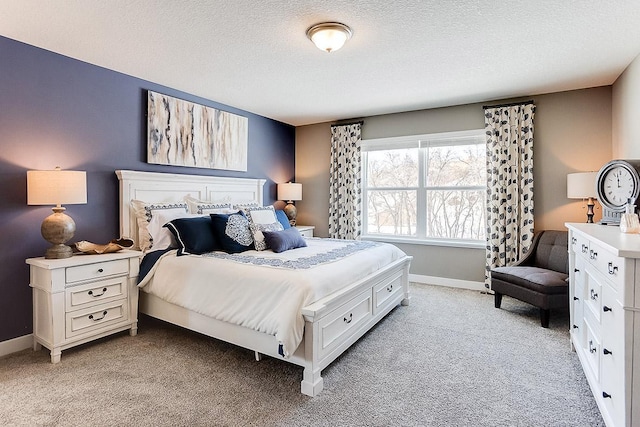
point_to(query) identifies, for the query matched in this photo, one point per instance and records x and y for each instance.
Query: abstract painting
(182, 133)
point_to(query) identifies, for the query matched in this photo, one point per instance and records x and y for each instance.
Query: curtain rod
(359, 122)
(484, 107)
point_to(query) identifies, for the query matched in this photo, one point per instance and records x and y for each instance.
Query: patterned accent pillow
(260, 214)
(258, 236)
(232, 231)
(145, 212)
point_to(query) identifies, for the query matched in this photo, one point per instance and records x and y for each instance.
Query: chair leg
(497, 300)
(544, 318)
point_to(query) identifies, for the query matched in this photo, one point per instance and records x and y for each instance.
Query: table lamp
(582, 185)
(290, 192)
(57, 187)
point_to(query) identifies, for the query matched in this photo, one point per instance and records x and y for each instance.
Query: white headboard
(167, 187)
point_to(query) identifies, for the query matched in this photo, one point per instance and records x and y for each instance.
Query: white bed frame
(332, 324)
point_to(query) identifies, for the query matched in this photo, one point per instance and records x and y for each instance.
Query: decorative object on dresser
(540, 278)
(57, 187)
(183, 133)
(616, 183)
(290, 192)
(306, 230)
(604, 291)
(83, 298)
(582, 185)
(115, 245)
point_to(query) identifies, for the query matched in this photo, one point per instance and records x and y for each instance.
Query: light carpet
(448, 359)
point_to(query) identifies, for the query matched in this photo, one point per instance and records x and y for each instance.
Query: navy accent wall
(57, 111)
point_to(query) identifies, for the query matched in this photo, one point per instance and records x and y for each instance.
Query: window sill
(428, 242)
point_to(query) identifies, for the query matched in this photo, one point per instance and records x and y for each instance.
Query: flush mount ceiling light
(329, 36)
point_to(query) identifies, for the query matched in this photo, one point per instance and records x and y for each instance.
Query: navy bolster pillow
(280, 241)
(194, 235)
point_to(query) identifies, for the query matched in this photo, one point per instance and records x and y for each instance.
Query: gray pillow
(280, 241)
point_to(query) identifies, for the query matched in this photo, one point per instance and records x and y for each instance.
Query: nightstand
(306, 230)
(82, 298)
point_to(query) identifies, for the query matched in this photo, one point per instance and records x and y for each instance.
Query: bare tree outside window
(436, 191)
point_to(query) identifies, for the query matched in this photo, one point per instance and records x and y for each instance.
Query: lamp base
(291, 212)
(57, 229)
(590, 204)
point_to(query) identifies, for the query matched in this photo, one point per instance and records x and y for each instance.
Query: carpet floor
(448, 359)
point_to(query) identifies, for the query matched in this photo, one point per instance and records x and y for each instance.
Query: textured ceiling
(404, 55)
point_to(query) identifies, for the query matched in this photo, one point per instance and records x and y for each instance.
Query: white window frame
(422, 142)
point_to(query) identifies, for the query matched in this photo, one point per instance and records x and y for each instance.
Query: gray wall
(572, 133)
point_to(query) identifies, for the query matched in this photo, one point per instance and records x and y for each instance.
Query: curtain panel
(509, 131)
(345, 191)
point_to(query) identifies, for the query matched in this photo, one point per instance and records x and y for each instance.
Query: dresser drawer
(95, 293)
(384, 293)
(88, 320)
(96, 271)
(344, 320)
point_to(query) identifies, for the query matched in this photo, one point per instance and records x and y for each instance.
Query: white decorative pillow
(203, 207)
(144, 214)
(244, 206)
(262, 218)
(258, 237)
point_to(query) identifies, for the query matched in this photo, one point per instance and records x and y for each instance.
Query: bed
(330, 324)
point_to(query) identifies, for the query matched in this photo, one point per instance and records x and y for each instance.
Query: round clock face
(617, 186)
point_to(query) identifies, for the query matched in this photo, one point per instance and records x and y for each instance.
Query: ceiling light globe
(329, 36)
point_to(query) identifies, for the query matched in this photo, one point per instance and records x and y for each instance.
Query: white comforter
(263, 298)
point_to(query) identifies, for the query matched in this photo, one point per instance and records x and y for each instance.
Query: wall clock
(616, 183)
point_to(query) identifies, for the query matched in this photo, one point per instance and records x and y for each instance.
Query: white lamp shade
(290, 191)
(581, 185)
(56, 187)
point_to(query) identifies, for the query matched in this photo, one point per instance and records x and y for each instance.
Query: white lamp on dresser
(604, 297)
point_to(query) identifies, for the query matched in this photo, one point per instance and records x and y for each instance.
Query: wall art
(182, 133)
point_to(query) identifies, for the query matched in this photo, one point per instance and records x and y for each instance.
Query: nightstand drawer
(97, 270)
(88, 320)
(95, 293)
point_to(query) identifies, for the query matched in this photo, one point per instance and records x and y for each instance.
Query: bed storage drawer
(344, 320)
(385, 292)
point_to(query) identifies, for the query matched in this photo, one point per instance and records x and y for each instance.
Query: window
(425, 187)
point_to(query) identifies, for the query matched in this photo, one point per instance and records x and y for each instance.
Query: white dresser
(82, 298)
(604, 294)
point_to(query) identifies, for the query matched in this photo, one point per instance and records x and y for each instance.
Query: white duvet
(263, 298)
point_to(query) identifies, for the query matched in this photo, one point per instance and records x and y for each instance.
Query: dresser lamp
(290, 192)
(582, 185)
(57, 187)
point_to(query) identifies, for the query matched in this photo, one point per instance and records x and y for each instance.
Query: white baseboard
(16, 344)
(445, 281)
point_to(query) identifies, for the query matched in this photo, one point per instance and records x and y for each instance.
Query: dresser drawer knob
(576, 299)
(575, 270)
(96, 319)
(606, 395)
(389, 288)
(575, 327)
(100, 270)
(594, 295)
(592, 348)
(605, 351)
(349, 319)
(605, 309)
(612, 269)
(97, 295)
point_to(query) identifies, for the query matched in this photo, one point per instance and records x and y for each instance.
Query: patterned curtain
(509, 131)
(345, 196)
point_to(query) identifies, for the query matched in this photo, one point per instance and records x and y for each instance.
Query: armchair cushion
(535, 278)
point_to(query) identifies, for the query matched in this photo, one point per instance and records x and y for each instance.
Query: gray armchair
(540, 278)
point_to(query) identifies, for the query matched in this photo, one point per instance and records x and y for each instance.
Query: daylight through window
(425, 187)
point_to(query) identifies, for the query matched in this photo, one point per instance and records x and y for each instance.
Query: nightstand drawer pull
(350, 318)
(389, 288)
(104, 290)
(100, 270)
(104, 313)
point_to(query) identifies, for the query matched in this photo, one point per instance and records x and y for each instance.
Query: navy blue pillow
(194, 235)
(282, 219)
(280, 241)
(232, 231)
